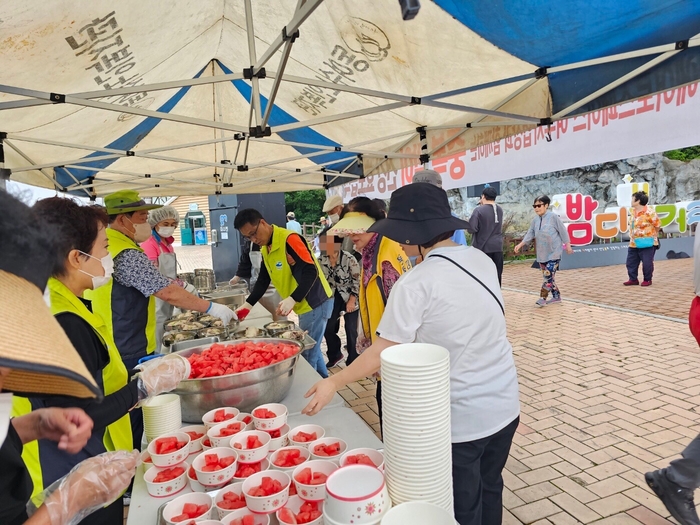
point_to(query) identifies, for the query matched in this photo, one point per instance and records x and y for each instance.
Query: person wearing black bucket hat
(455, 302)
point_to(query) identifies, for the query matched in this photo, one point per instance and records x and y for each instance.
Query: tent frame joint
(130, 153)
(258, 132)
(243, 167)
(547, 121)
(415, 101)
(239, 136)
(57, 98)
(249, 73)
(3, 135)
(681, 45)
(147, 176)
(289, 38)
(541, 72)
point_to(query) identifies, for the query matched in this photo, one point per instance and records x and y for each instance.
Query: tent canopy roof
(208, 96)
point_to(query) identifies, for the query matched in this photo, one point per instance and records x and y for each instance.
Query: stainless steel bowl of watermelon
(244, 373)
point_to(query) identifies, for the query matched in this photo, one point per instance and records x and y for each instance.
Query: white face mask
(334, 218)
(108, 267)
(142, 231)
(166, 231)
(5, 409)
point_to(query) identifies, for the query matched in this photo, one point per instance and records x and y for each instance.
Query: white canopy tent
(224, 96)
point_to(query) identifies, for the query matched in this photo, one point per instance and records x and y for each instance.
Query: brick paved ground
(609, 390)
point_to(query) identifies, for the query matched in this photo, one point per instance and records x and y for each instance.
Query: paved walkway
(609, 390)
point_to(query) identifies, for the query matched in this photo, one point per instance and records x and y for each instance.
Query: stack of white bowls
(416, 424)
(161, 415)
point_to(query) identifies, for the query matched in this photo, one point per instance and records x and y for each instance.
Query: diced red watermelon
(194, 435)
(190, 511)
(327, 450)
(168, 474)
(306, 477)
(287, 516)
(245, 470)
(274, 434)
(220, 415)
(245, 520)
(231, 429)
(359, 459)
(303, 437)
(308, 512)
(212, 462)
(247, 419)
(288, 458)
(225, 359)
(167, 445)
(267, 487)
(232, 501)
(263, 413)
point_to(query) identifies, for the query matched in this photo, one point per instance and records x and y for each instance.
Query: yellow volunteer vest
(118, 435)
(102, 297)
(372, 300)
(275, 260)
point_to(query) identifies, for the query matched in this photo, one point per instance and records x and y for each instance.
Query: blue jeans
(314, 322)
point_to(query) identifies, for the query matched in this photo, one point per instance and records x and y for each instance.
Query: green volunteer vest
(117, 436)
(102, 297)
(275, 259)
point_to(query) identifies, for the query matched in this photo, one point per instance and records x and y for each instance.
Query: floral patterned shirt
(389, 273)
(644, 223)
(344, 277)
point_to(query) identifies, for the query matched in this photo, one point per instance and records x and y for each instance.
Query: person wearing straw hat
(84, 263)
(383, 262)
(453, 300)
(37, 358)
(159, 249)
(127, 302)
(291, 267)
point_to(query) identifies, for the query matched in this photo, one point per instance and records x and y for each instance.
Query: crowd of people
(109, 277)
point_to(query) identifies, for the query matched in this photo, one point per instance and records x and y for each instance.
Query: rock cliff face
(669, 181)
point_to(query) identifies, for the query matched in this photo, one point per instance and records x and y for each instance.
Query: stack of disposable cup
(161, 415)
(416, 424)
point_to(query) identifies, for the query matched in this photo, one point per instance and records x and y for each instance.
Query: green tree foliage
(684, 154)
(306, 205)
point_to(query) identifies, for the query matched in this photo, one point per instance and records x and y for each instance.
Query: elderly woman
(383, 262)
(342, 272)
(37, 358)
(453, 300)
(84, 263)
(159, 248)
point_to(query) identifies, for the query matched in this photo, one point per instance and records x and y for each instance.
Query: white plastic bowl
(242, 416)
(356, 487)
(167, 488)
(172, 458)
(309, 429)
(223, 441)
(274, 422)
(237, 488)
(208, 418)
(279, 442)
(313, 492)
(418, 512)
(273, 457)
(328, 441)
(216, 477)
(266, 504)
(294, 504)
(260, 519)
(252, 455)
(264, 465)
(376, 456)
(195, 444)
(174, 507)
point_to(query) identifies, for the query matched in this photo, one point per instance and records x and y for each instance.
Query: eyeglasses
(537, 205)
(252, 234)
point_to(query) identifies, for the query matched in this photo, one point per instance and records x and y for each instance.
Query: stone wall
(669, 180)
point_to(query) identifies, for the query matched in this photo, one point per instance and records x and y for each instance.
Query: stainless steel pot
(244, 391)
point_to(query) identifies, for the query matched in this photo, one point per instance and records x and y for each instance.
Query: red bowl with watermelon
(170, 449)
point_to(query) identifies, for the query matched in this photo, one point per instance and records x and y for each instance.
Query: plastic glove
(89, 486)
(234, 279)
(286, 306)
(162, 375)
(222, 312)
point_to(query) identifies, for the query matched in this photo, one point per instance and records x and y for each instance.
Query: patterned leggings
(549, 269)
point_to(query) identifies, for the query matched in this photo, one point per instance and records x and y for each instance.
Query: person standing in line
(343, 274)
(434, 178)
(289, 264)
(160, 251)
(644, 237)
(333, 206)
(675, 484)
(292, 223)
(550, 236)
(486, 225)
(383, 262)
